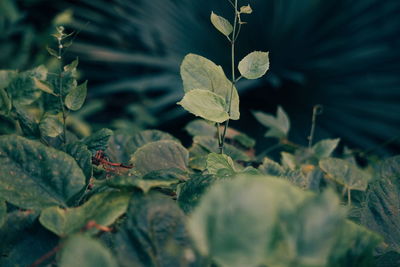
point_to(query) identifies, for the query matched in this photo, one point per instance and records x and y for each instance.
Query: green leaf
(381, 211)
(76, 97)
(206, 105)
(257, 206)
(29, 127)
(85, 251)
(354, 247)
(270, 167)
(244, 140)
(279, 125)
(324, 148)
(254, 65)
(6, 76)
(82, 156)
(154, 234)
(345, 173)
(200, 127)
(198, 72)
(190, 192)
(44, 86)
(98, 140)
(22, 88)
(72, 66)
(221, 24)
(216, 162)
(51, 125)
(164, 154)
(103, 208)
(5, 102)
(34, 176)
(288, 160)
(155, 179)
(3, 212)
(52, 52)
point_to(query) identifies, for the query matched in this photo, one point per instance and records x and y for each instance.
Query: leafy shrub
(115, 199)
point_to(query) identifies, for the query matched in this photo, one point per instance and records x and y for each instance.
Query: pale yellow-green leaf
(44, 86)
(254, 65)
(206, 105)
(51, 125)
(246, 9)
(221, 24)
(76, 97)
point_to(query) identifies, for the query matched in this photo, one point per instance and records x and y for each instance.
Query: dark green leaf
(103, 208)
(29, 127)
(164, 154)
(270, 167)
(6, 76)
(35, 176)
(5, 102)
(82, 156)
(52, 52)
(154, 234)
(3, 212)
(98, 140)
(51, 125)
(81, 250)
(76, 97)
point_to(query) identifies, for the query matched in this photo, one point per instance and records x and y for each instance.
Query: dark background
(342, 54)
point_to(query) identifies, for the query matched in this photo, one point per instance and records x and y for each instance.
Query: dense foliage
(117, 199)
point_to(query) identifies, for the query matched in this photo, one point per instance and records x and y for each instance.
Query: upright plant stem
(233, 79)
(60, 80)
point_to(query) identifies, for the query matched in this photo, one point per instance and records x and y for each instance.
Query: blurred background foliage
(342, 54)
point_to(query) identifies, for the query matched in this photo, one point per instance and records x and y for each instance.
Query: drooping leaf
(324, 148)
(155, 179)
(154, 234)
(103, 208)
(44, 86)
(98, 140)
(34, 176)
(164, 154)
(221, 24)
(216, 162)
(345, 173)
(81, 250)
(279, 125)
(76, 97)
(197, 72)
(254, 65)
(51, 125)
(3, 212)
(206, 105)
(82, 156)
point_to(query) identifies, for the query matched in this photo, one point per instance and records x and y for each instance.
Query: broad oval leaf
(198, 72)
(221, 24)
(254, 65)
(154, 234)
(81, 250)
(34, 176)
(98, 140)
(324, 148)
(76, 97)
(103, 208)
(51, 125)
(236, 221)
(160, 155)
(206, 105)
